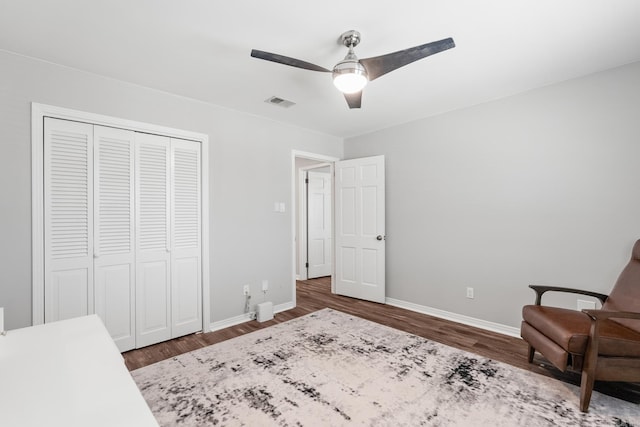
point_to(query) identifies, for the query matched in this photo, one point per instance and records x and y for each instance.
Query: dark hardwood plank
(313, 295)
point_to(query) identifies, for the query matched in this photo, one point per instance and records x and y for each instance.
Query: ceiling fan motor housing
(350, 38)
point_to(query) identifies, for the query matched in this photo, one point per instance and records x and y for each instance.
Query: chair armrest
(541, 289)
(602, 314)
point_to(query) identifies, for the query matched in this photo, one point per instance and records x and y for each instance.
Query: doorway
(358, 224)
(315, 225)
(302, 163)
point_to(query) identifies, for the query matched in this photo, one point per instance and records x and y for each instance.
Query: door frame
(38, 113)
(303, 246)
(325, 160)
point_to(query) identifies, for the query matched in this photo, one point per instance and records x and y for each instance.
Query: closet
(122, 230)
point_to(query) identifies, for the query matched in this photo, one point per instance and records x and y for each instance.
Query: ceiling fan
(351, 74)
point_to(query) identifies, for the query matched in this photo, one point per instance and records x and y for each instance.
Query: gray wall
(542, 187)
(250, 169)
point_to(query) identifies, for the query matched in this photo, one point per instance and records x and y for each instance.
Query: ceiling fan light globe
(349, 76)
(350, 83)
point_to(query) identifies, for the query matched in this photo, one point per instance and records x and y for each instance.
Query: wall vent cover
(275, 100)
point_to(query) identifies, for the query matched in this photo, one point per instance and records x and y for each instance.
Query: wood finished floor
(313, 295)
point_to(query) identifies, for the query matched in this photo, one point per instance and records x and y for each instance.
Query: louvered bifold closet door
(68, 219)
(114, 238)
(153, 270)
(186, 283)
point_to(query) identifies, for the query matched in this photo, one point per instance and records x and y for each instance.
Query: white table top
(67, 374)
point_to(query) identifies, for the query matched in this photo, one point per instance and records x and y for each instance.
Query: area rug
(333, 369)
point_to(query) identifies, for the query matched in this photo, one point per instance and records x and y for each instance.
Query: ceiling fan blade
(274, 57)
(381, 65)
(354, 99)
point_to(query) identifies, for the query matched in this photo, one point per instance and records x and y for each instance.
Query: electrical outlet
(470, 293)
(265, 285)
(246, 290)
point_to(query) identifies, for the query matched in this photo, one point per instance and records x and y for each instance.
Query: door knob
(379, 237)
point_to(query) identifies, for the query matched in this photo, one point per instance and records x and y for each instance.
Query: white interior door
(186, 265)
(153, 258)
(114, 237)
(360, 228)
(68, 219)
(319, 240)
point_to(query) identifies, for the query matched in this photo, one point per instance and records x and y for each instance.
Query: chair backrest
(625, 295)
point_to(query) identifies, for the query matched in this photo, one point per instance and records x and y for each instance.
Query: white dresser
(67, 374)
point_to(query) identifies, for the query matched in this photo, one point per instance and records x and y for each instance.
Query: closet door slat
(186, 262)
(114, 227)
(153, 259)
(68, 219)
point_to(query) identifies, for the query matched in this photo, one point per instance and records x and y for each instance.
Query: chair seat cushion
(570, 330)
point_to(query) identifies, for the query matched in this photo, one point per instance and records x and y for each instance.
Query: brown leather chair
(602, 344)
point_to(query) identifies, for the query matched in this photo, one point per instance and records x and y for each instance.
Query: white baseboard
(466, 320)
(283, 307)
(233, 321)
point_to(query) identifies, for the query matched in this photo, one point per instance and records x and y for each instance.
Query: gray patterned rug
(332, 369)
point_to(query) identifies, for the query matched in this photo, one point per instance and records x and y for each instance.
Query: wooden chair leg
(532, 351)
(586, 387)
(589, 367)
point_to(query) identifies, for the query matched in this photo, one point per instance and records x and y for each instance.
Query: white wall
(542, 187)
(250, 169)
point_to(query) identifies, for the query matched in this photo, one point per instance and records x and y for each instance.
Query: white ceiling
(200, 49)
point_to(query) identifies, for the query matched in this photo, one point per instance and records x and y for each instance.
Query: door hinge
(306, 180)
(306, 265)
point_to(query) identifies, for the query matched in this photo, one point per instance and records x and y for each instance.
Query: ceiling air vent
(274, 100)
